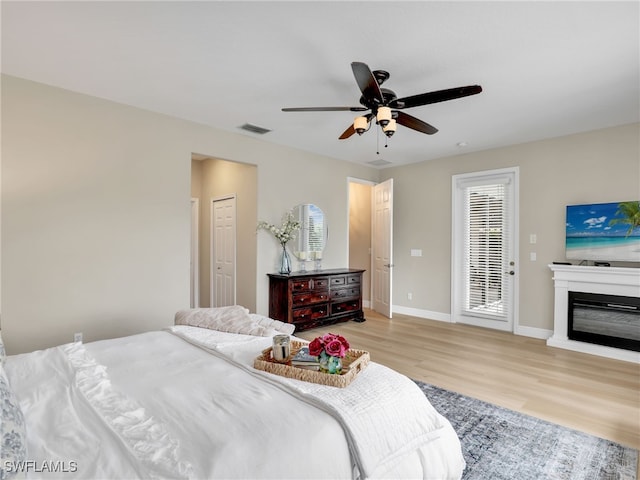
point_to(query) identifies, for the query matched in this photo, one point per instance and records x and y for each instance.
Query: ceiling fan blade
(324, 109)
(367, 82)
(435, 97)
(347, 133)
(415, 123)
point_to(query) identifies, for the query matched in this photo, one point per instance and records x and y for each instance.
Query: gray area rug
(498, 443)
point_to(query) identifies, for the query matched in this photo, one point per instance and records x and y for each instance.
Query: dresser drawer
(312, 313)
(344, 307)
(309, 298)
(308, 284)
(306, 324)
(339, 293)
(353, 279)
(338, 281)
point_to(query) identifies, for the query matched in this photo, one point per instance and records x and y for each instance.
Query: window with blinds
(316, 231)
(486, 246)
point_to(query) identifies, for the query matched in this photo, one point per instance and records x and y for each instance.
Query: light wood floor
(589, 393)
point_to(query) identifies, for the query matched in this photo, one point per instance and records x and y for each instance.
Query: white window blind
(486, 262)
(316, 229)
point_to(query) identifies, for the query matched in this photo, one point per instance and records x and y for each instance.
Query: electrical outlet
(409, 296)
(77, 337)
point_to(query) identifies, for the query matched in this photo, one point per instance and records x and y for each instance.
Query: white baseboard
(533, 332)
(593, 349)
(417, 312)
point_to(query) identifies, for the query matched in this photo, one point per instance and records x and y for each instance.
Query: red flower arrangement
(329, 344)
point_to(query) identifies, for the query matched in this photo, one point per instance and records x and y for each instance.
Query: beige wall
(96, 212)
(220, 178)
(196, 179)
(600, 166)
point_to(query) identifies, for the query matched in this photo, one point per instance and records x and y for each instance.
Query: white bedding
(156, 406)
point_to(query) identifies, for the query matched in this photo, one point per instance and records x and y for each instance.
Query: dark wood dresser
(311, 299)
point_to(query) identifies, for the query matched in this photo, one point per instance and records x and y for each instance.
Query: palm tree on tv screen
(630, 212)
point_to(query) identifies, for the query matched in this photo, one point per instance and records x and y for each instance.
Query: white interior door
(382, 247)
(223, 252)
(195, 245)
(484, 270)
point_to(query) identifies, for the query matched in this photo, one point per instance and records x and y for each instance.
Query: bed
(186, 402)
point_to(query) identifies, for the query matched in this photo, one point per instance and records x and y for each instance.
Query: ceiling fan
(385, 106)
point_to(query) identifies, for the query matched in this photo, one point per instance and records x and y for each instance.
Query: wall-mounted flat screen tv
(603, 232)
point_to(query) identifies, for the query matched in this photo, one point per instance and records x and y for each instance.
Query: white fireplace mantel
(605, 280)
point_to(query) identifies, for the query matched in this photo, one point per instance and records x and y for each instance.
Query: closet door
(223, 252)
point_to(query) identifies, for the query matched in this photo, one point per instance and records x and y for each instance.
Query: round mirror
(312, 236)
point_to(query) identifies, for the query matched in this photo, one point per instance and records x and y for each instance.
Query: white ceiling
(548, 69)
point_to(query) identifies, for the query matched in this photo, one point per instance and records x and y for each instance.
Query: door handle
(389, 265)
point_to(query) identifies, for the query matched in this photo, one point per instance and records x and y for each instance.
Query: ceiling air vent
(254, 129)
(379, 163)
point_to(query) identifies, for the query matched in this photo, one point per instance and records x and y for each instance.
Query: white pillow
(232, 319)
(273, 326)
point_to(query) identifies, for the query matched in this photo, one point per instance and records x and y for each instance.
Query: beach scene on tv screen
(604, 231)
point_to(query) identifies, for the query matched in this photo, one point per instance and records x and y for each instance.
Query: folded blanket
(233, 319)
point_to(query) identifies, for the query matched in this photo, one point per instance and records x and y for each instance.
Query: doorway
(485, 230)
(217, 179)
(371, 238)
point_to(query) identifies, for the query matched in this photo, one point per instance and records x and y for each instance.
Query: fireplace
(606, 283)
(609, 320)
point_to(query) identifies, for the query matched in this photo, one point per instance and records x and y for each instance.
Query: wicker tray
(352, 364)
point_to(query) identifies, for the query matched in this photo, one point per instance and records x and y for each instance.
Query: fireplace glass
(608, 320)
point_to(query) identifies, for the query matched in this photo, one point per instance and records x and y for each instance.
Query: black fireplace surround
(609, 320)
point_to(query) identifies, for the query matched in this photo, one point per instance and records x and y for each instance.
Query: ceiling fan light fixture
(383, 116)
(390, 129)
(360, 125)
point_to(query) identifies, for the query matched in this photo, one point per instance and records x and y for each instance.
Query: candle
(281, 348)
